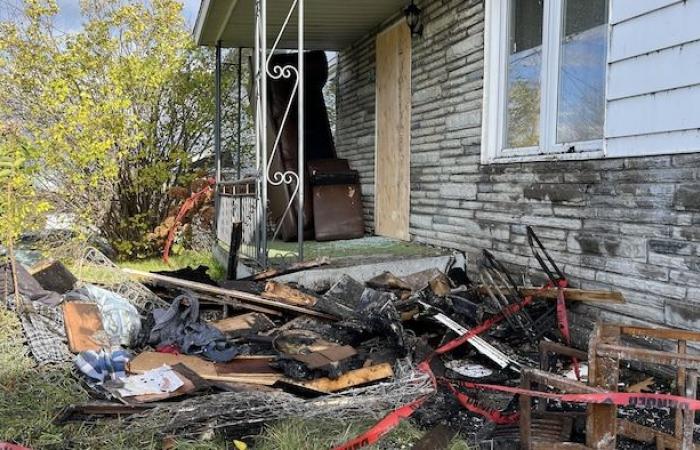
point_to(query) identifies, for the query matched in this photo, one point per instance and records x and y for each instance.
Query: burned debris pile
(463, 351)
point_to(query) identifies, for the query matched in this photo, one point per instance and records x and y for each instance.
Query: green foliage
(21, 209)
(115, 112)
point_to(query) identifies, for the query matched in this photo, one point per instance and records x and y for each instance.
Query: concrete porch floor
(369, 249)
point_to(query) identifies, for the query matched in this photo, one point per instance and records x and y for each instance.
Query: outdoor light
(412, 13)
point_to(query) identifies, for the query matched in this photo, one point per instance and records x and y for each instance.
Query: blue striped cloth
(103, 365)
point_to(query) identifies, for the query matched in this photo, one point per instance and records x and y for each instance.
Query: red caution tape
(493, 415)
(638, 400)
(384, 426)
(484, 326)
(11, 446)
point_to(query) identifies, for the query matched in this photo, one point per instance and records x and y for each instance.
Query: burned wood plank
(646, 355)
(238, 295)
(682, 347)
(287, 294)
(641, 433)
(81, 411)
(571, 294)
(604, 372)
(236, 240)
(687, 418)
(350, 379)
(559, 382)
(560, 349)
(659, 333)
(297, 267)
(236, 304)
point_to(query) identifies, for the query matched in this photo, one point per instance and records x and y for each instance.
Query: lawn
(30, 398)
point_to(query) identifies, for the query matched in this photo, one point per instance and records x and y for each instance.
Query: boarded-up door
(393, 147)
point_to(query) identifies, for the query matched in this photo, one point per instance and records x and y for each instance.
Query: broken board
(349, 379)
(287, 294)
(83, 323)
(53, 276)
(244, 324)
(245, 369)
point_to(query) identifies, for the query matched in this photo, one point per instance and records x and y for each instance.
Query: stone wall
(627, 224)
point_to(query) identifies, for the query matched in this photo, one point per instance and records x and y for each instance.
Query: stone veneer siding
(627, 224)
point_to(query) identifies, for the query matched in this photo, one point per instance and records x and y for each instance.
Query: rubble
(204, 356)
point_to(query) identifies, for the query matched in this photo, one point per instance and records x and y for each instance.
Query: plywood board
(83, 323)
(240, 370)
(393, 132)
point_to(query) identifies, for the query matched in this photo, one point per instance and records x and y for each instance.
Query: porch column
(300, 131)
(217, 130)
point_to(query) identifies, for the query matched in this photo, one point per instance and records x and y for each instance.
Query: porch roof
(329, 24)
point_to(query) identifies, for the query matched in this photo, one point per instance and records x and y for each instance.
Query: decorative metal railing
(265, 69)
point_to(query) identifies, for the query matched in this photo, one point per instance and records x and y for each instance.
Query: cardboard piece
(84, 329)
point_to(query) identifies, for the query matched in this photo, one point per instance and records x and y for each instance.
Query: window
(545, 78)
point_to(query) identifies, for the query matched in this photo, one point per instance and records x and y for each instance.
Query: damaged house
(460, 125)
(577, 117)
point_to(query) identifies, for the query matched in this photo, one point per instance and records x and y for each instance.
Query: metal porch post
(217, 131)
(300, 131)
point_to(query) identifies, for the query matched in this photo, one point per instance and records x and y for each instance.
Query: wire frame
(95, 268)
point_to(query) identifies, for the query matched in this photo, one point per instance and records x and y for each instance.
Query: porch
(277, 217)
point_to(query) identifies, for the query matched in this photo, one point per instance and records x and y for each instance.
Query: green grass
(187, 258)
(321, 434)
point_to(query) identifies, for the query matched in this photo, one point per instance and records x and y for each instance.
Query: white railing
(264, 70)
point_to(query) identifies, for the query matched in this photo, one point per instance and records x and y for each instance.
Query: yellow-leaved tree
(115, 111)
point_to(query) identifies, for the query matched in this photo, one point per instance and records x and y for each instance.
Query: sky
(69, 16)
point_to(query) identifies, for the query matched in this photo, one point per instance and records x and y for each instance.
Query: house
(579, 118)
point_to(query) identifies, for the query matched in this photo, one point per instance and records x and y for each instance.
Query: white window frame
(496, 35)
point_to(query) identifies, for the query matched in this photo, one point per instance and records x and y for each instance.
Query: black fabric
(28, 286)
(181, 326)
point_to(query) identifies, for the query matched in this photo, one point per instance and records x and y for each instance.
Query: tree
(21, 209)
(117, 111)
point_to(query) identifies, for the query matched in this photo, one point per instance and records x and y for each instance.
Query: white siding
(667, 69)
(628, 9)
(656, 30)
(653, 98)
